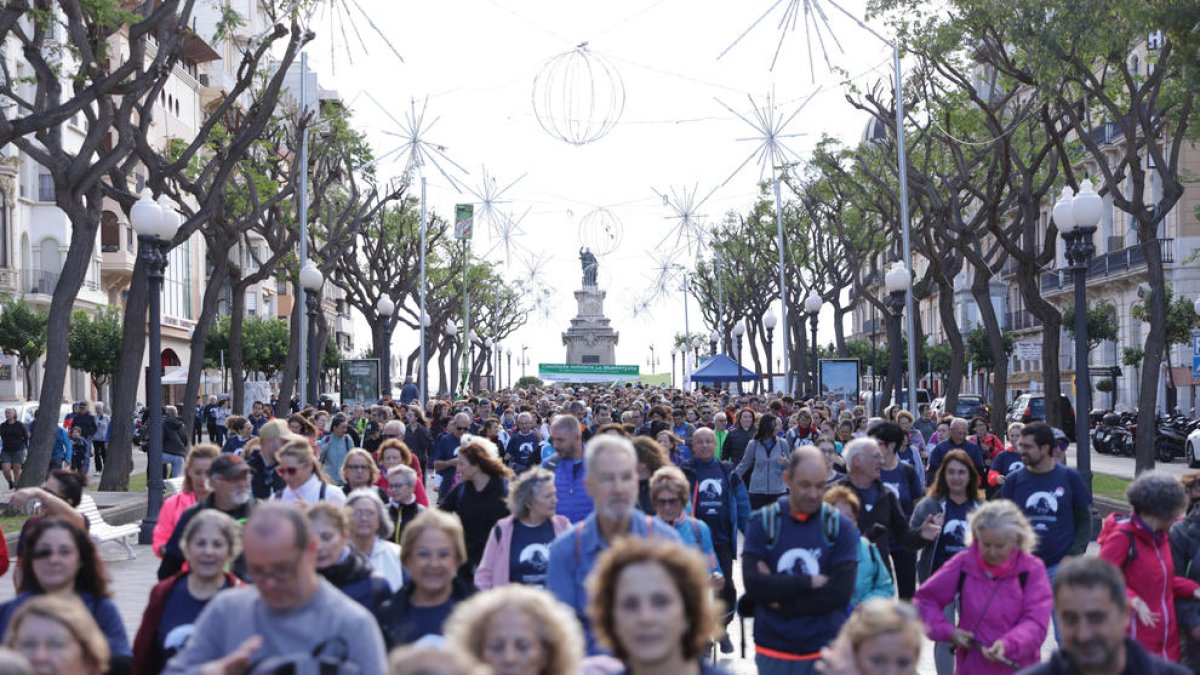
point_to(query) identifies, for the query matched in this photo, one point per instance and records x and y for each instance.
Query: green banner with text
(586, 373)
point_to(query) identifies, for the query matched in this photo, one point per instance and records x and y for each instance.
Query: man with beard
(229, 480)
(611, 479)
(1092, 609)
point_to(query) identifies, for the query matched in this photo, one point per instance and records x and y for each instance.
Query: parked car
(1032, 408)
(968, 406)
(1192, 452)
(27, 411)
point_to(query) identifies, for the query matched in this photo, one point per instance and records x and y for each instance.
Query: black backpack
(329, 657)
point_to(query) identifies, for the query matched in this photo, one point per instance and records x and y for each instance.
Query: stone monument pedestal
(590, 339)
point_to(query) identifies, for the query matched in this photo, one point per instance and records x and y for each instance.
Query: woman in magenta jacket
(1139, 546)
(1003, 592)
(518, 547)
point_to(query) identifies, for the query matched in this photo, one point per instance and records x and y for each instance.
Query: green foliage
(979, 349)
(1132, 356)
(937, 359)
(869, 355)
(94, 341)
(265, 344)
(1105, 385)
(1181, 317)
(23, 332)
(528, 382)
(1101, 323)
(218, 342)
(332, 360)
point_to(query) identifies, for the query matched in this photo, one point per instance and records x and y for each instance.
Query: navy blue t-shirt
(1007, 463)
(936, 455)
(444, 450)
(428, 620)
(178, 619)
(711, 501)
(1050, 500)
(523, 451)
(799, 549)
(952, 540)
(529, 556)
(902, 480)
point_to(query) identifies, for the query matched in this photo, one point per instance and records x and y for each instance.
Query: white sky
(477, 60)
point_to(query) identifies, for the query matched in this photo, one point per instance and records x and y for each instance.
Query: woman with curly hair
(480, 499)
(532, 499)
(881, 636)
(652, 606)
(517, 630)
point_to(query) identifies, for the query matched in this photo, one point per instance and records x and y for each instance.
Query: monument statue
(590, 266)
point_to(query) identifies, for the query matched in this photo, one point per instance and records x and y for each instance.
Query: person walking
(14, 447)
(763, 463)
(514, 552)
(100, 438)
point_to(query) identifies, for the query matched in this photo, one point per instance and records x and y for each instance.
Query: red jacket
(1150, 575)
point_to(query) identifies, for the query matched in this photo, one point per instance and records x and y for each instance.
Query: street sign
(586, 372)
(463, 220)
(1029, 351)
(1196, 343)
(1195, 367)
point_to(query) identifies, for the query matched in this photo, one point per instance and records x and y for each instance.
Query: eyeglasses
(358, 467)
(363, 515)
(277, 573)
(461, 428)
(668, 501)
(288, 470)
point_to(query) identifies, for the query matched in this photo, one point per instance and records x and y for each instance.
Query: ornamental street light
(739, 329)
(1076, 218)
(652, 361)
(769, 321)
(713, 338)
(451, 332)
(155, 225)
(812, 305)
(385, 308)
(311, 280)
(524, 360)
(897, 281)
(674, 352)
(423, 371)
(508, 353)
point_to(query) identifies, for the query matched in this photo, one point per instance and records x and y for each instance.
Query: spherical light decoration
(385, 306)
(812, 304)
(311, 277)
(770, 321)
(146, 216)
(578, 96)
(601, 231)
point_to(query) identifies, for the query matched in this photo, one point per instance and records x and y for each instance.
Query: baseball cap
(228, 465)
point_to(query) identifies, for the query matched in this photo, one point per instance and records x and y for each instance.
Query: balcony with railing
(43, 282)
(1021, 319)
(1118, 262)
(118, 248)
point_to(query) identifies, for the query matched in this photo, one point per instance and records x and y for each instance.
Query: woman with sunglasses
(359, 472)
(61, 561)
(305, 484)
(670, 490)
(210, 543)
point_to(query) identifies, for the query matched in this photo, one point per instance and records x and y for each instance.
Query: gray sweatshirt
(234, 615)
(766, 477)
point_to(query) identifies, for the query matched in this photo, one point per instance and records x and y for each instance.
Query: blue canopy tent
(721, 368)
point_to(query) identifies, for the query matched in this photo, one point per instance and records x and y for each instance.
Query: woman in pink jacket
(518, 548)
(1003, 593)
(195, 473)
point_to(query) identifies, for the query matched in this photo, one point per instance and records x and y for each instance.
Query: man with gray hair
(567, 464)
(445, 454)
(957, 441)
(275, 619)
(612, 483)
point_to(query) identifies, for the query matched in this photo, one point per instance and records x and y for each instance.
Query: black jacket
(735, 444)
(1137, 662)
(420, 441)
(14, 436)
(883, 522)
(174, 440)
(86, 422)
(402, 516)
(395, 617)
(479, 512)
(355, 577)
(265, 481)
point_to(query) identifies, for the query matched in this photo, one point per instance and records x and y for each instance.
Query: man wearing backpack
(290, 620)
(799, 565)
(720, 500)
(611, 480)
(566, 461)
(1054, 498)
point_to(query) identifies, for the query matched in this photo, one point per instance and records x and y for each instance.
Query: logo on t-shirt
(894, 487)
(805, 561)
(1015, 467)
(535, 558)
(710, 489)
(1042, 504)
(177, 638)
(955, 531)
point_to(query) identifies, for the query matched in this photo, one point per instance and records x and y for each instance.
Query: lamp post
(524, 360)
(713, 338)
(674, 352)
(423, 367)
(652, 361)
(812, 305)
(897, 281)
(769, 321)
(155, 226)
(385, 308)
(312, 279)
(508, 353)
(1076, 218)
(487, 353)
(739, 329)
(451, 332)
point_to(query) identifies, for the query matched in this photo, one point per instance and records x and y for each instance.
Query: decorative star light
(490, 197)
(771, 123)
(508, 230)
(689, 231)
(816, 21)
(343, 16)
(416, 148)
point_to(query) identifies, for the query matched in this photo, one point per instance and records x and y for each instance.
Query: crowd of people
(602, 530)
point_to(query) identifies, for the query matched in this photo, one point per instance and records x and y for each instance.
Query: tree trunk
(287, 383)
(237, 352)
(125, 384)
(204, 323)
(319, 350)
(1152, 358)
(981, 291)
(957, 347)
(839, 329)
(84, 223)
